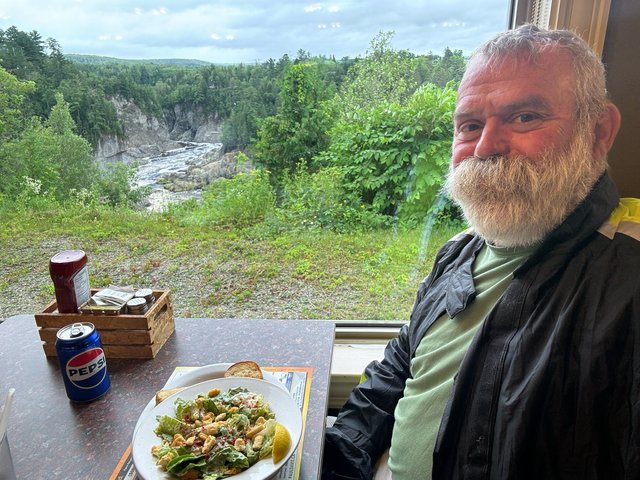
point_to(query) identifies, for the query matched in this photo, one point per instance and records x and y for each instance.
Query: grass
(218, 272)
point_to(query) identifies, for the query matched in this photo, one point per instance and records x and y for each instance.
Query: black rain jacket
(550, 385)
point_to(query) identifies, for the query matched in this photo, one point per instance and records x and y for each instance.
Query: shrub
(33, 196)
(395, 156)
(114, 185)
(320, 200)
(241, 201)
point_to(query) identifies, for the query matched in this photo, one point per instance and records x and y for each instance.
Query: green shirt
(437, 359)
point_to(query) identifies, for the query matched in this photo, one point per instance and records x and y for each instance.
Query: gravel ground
(201, 283)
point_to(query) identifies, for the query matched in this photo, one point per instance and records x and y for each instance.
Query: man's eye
(469, 127)
(468, 131)
(525, 117)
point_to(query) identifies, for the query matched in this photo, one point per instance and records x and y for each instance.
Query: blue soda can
(82, 362)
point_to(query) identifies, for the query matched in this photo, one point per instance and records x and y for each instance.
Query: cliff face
(146, 135)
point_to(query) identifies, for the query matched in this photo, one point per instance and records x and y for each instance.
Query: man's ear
(605, 131)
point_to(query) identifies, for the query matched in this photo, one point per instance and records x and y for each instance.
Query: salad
(216, 435)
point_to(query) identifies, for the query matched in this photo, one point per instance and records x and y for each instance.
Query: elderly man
(522, 356)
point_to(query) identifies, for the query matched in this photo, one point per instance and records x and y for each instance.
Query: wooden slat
(113, 351)
(50, 318)
(126, 350)
(132, 337)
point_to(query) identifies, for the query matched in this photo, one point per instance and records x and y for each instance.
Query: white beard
(516, 201)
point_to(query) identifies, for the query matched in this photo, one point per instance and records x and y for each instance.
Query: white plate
(197, 375)
(281, 403)
(209, 372)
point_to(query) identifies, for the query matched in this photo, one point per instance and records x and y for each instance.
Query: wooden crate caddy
(123, 336)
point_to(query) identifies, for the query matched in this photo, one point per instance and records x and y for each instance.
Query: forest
(376, 129)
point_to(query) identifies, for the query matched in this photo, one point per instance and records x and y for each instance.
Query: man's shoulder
(463, 235)
(454, 248)
(624, 220)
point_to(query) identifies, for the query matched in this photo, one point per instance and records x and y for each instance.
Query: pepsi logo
(87, 369)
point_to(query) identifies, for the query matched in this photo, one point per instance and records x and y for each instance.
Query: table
(51, 437)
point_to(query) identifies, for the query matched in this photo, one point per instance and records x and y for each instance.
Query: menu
(296, 380)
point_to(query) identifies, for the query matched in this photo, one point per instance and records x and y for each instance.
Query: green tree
(30, 157)
(12, 95)
(395, 156)
(92, 113)
(298, 131)
(28, 57)
(241, 201)
(51, 154)
(241, 126)
(60, 120)
(440, 70)
(383, 75)
(22, 53)
(114, 185)
(73, 157)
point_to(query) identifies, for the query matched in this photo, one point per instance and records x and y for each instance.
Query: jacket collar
(582, 222)
(461, 289)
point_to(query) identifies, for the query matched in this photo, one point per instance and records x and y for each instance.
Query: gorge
(177, 155)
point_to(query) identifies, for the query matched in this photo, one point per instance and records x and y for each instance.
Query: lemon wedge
(281, 443)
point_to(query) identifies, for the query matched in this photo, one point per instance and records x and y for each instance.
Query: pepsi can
(82, 362)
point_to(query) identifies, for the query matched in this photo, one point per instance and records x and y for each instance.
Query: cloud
(109, 37)
(313, 7)
(159, 11)
(254, 30)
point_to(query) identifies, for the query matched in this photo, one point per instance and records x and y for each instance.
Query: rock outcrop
(146, 135)
(210, 168)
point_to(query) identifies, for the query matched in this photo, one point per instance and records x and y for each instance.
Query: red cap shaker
(70, 276)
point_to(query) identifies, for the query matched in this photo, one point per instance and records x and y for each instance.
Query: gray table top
(51, 437)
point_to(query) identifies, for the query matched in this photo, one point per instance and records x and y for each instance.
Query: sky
(250, 31)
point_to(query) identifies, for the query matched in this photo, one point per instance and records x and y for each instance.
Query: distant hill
(100, 60)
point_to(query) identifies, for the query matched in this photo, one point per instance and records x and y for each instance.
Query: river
(173, 164)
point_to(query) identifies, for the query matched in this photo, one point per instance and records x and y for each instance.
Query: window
(433, 37)
(587, 17)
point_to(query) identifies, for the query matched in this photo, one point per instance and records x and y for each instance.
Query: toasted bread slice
(246, 368)
(162, 395)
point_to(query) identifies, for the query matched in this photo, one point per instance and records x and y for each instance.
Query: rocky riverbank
(147, 135)
(183, 173)
(178, 154)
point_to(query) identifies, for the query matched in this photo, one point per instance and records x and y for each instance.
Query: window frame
(588, 18)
